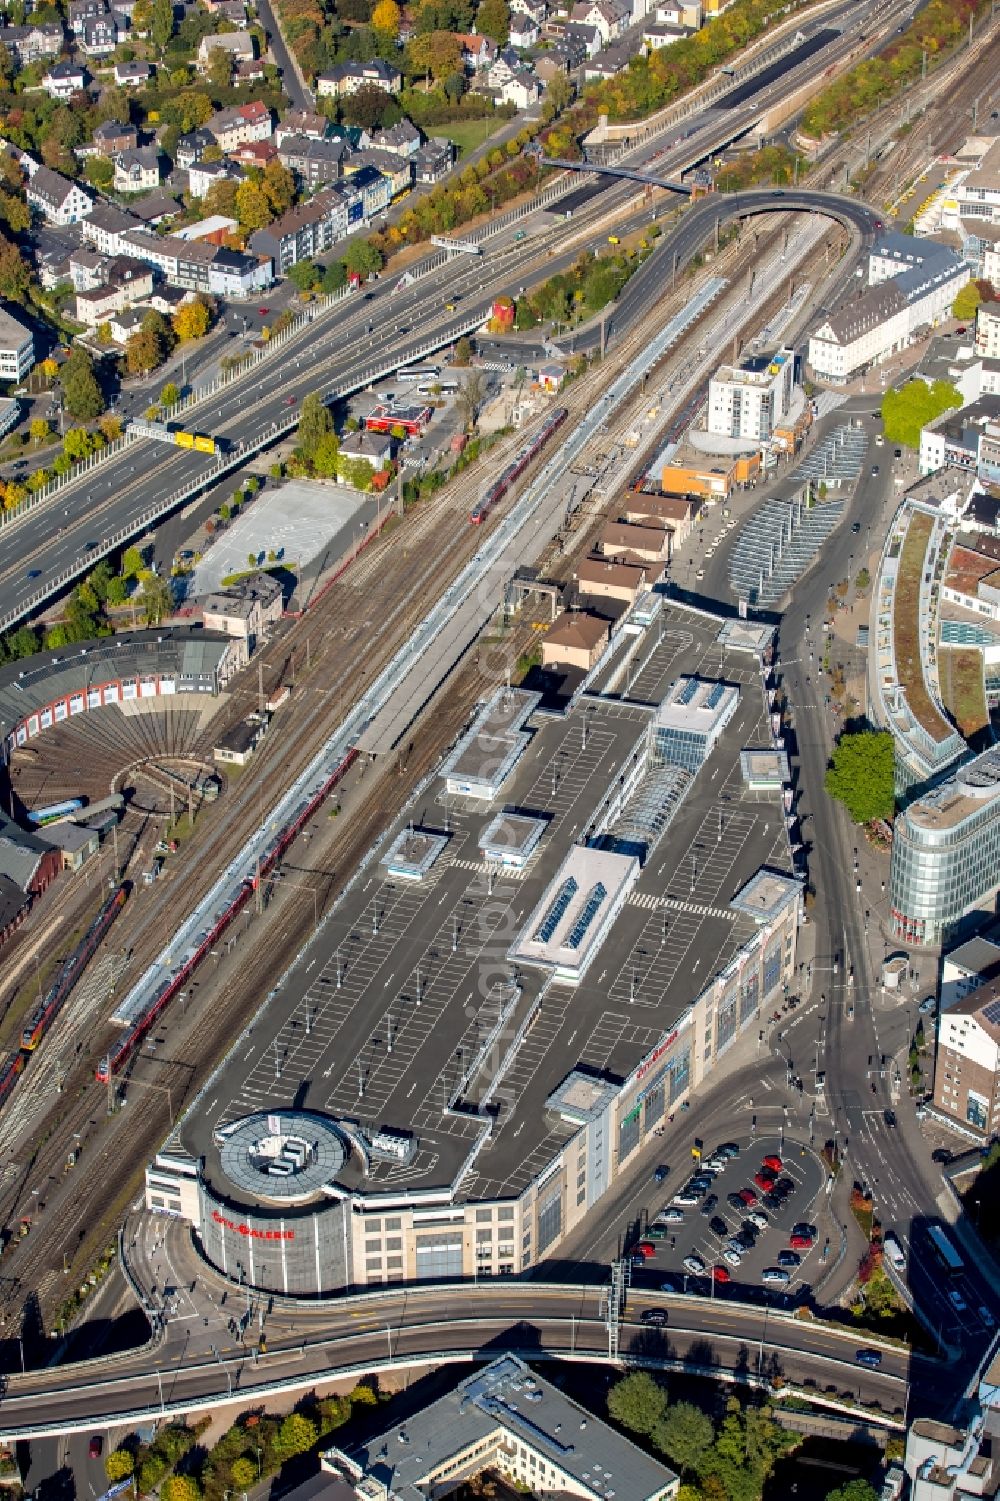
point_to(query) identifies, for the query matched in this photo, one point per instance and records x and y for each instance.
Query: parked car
(763, 1181)
(774, 1163)
(728, 1150)
(735, 1201)
(718, 1226)
(646, 1248)
(747, 1196)
(671, 1215)
(789, 1258)
(941, 1154)
(758, 1220)
(708, 1205)
(927, 1005)
(985, 1317)
(732, 1257)
(802, 1227)
(686, 1199)
(720, 1274)
(772, 1202)
(800, 1242)
(785, 1186)
(957, 1301)
(693, 1264)
(656, 1232)
(774, 1276)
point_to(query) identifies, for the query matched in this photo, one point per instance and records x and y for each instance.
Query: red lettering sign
(250, 1230)
(654, 1057)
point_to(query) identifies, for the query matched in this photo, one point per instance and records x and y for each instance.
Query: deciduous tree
(386, 17)
(860, 775)
(637, 1402)
(315, 422)
(191, 320)
(81, 393)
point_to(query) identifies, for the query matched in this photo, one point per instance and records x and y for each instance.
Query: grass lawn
(468, 134)
(906, 628)
(961, 677)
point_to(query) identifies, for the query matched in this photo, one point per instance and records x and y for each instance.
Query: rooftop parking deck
(410, 1011)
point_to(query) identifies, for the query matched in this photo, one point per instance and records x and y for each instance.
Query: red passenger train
(519, 464)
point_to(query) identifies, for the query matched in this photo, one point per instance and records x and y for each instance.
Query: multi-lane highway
(384, 328)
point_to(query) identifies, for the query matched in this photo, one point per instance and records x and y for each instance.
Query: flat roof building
(504, 1418)
(576, 910)
(17, 348)
(690, 720)
(749, 404)
(488, 1082)
(967, 1059)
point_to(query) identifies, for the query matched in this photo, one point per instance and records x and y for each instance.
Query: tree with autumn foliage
(192, 320)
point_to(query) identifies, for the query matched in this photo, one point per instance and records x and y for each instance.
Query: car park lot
(684, 1251)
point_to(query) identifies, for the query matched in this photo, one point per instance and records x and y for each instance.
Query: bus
(418, 372)
(945, 1251)
(438, 388)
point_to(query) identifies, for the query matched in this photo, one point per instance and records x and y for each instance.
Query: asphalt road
(459, 1322)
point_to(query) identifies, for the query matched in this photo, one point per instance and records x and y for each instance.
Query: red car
(747, 1195)
(263, 311)
(721, 1274)
(95, 1447)
(774, 1163)
(800, 1242)
(646, 1248)
(764, 1180)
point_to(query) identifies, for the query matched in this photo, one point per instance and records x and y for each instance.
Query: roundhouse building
(521, 987)
(113, 671)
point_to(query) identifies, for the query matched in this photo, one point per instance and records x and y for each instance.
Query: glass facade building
(946, 854)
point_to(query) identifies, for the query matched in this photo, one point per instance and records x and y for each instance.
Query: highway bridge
(426, 1325)
(62, 538)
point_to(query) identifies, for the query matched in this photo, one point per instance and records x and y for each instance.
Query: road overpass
(119, 500)
(426, 1325)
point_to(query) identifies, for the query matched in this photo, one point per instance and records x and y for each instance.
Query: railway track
(76, 1218)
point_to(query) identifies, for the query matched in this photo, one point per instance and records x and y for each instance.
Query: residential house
(402, 139)
(657, 34)
(524, 29)
(239, 45)
(191, 147)
(128, 282)
(106, 225)
(200, 266)
(63, 80)
(78, 12)
(123, 325)
(57, 199)
(99, 37)
(254, 154)
(302, 122)
(372, 180)
(911, 285)
(17, 348)
(249, 70)
(348, 78)
(371, 448)
(313, 162)
(235, 276)
(137, 171)
(87, 268)
(132, 75)
(576, 640)
(583, 40)
(240, 124)
(478, 52)
(204, 175)
(233, 11)
(560, 57)
(433, 162)
(155, 207)
(609, 62)
(611, 17)
(685, 13)
(32, 44)
(306, 231)
(113, 136)
(503, 67)
(522, 89)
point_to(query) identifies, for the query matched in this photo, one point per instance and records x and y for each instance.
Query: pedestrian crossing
(649, 903)
(482, 867)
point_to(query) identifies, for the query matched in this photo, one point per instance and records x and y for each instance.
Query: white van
(894, 1251)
